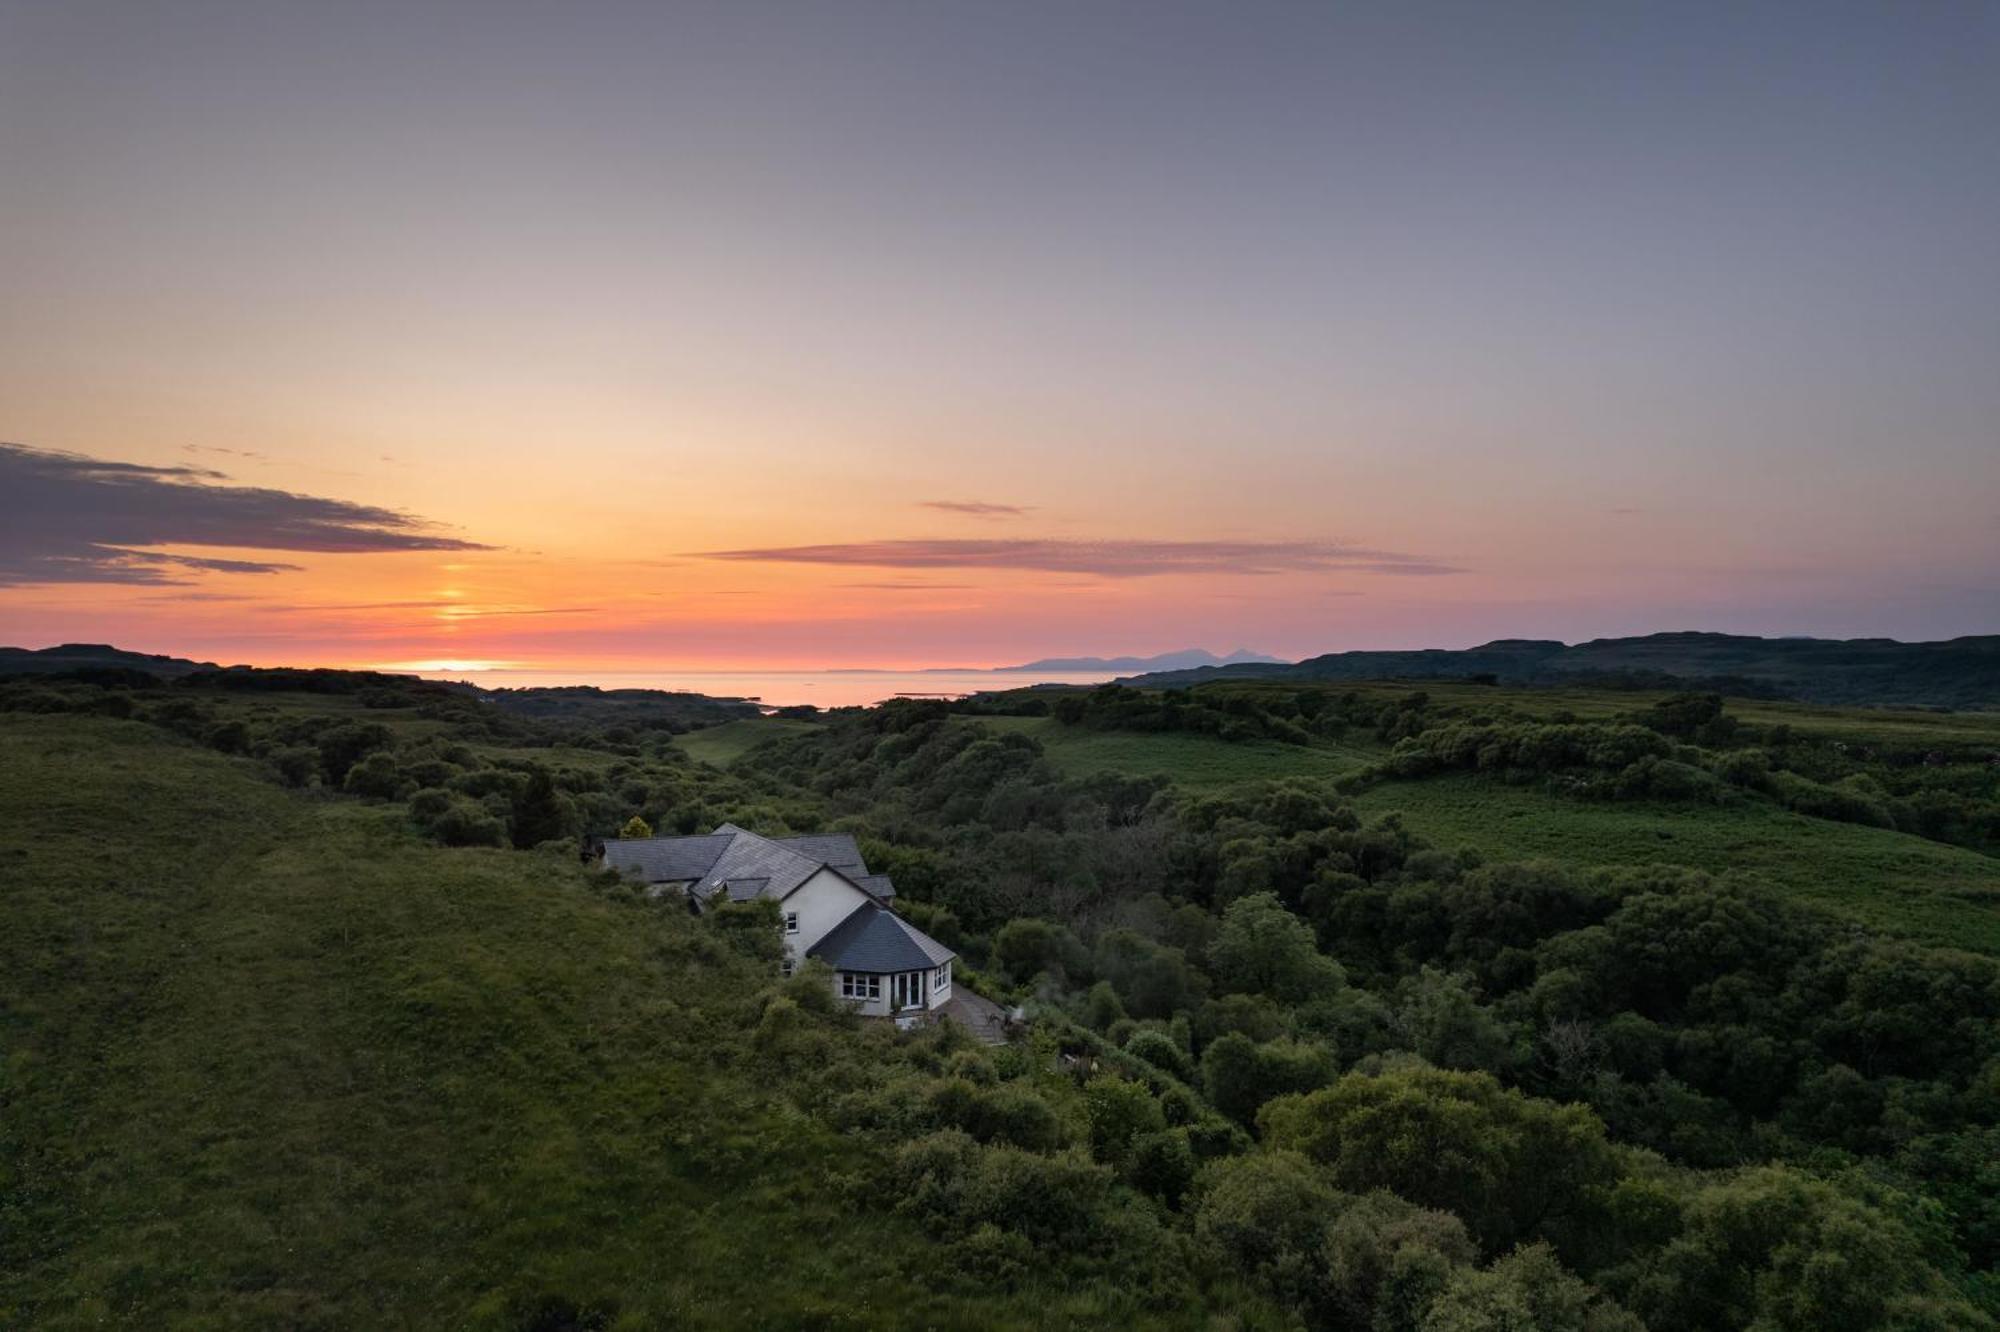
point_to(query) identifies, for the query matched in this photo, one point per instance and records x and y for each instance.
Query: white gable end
(815, 907)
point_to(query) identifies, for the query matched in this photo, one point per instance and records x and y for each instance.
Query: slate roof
(876, 939)
(666, 859)
(877, 884)
(743, 863)
(836, 849)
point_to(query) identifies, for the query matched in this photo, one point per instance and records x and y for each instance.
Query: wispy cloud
(1106, 559)
(65, 518)
(978, 508)
(913, 587)
(456, 610)
(251, 454)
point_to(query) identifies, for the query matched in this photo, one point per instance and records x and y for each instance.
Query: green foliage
(1774, 1248)
(636, 827)
(1527, 1289)
(1264, 949)
(1516, 1168)
(1241, 1075)
(1195, 930)
(540, 815)
(1119, 1113)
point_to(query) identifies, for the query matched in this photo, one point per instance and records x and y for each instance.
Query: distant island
(1186, 659)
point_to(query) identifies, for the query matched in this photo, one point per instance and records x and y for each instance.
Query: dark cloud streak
(65, 518)
(1106, 559)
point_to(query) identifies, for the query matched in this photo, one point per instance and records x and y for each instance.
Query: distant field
(1877, 725)
(724, 744)
(1191, 760)
(1887, 880)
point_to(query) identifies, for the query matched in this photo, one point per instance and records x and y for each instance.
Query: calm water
(828, 689)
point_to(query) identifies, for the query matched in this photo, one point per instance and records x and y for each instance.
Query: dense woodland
(1287, 1060)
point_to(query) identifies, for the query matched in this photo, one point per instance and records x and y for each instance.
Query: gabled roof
(876, 939)
(742, 862)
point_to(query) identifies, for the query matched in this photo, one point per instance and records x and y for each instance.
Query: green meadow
(724, 744)
(1877, 877)
(1190, 760)
(1880, 878)
(271, 1060)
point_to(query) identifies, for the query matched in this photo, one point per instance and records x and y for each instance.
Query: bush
(1240, 1076)
(1162, 1052)
(463, 823)
(1512, 1166)
(1119, 1111)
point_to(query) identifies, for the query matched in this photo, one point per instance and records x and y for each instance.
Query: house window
(791, 922)
(941, 978)
(854, 985)
(786, 967)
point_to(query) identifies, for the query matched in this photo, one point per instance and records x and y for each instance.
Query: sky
(643, 336)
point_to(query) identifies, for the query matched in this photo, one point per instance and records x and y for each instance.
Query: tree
(1528, 1289)
(1774, 1248)
(1240, 1075)
(1264, 949)
(636, 827)
(1026, 946)
(540, 814)
(465, 823)
(1514, 1167)
(1439, 1016)
(1385, 1260)
(374, 776)
(341, 746)
(1119, 1112)
(1264, 1215)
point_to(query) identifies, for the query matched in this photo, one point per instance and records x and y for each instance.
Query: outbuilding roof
(666, 859)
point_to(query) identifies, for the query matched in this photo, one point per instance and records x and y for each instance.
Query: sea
(826, 689)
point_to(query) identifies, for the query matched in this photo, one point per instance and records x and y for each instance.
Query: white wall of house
(821, 902)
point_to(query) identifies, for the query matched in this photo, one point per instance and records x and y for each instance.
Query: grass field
(1886, 880)
(724, 744)
(1191, 760)
(271, 1062)
(1863, 725)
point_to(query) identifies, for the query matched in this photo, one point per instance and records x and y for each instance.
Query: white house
(833, 909)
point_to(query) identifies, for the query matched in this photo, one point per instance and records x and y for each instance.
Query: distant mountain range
(1185, 660)
(1958, 673)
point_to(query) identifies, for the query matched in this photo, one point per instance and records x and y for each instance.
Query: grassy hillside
(1884, 879)
(1877, 876)
(270, 1061)
(724, 744)
(1960, 672)
(1191, 760)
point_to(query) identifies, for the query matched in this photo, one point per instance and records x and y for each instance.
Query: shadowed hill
(1958, 673)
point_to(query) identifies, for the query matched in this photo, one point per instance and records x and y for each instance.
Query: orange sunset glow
(602, 365)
